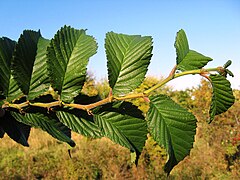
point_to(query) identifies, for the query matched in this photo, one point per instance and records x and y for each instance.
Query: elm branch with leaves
(41, 82)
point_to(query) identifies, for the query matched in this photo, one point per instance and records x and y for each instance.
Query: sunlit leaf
(68, 56)
(222, 98)
(24, 57)
(124, 125)
(6, 52)
(172, 127)
(188, 59)
(8, 85)
(128, 59)
(14, 91)
(39, 82)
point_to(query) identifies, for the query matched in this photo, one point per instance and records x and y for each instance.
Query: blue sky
(212, 27)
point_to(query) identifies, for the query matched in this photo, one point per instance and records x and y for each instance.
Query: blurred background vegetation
(215, 155)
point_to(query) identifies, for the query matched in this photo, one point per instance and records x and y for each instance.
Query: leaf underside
(172, 127)
(68, 56)
(123, 123)
(80, 122)
(2, 132)
(128, 57)
(188, 59)
(17, 131)
(222, 96)
(49, 124)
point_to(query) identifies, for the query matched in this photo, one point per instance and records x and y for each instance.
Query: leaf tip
(72, 143)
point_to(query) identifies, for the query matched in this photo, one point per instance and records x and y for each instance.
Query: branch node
(146, 99)
(172, 73)
(21, 111)
(110, 96)
(205, 74)
(89, 112)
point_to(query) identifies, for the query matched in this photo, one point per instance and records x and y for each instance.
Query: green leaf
(8, 85)
(124, 125)
(128, 59)
(14, 91)
(2, 132)
(172, 127)
(24, 57)
(49, 124)
(1, 103)
(17, 131)
(6, 52)
(39, 82)
(68, 56)
(80, 122)
(222, 96)
(188, 59)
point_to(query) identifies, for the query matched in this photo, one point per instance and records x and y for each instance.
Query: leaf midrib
(122, 64)
(69, 59)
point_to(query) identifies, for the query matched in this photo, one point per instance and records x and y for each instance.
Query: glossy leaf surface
(188, 59)
(39, 82)
(128, 59)
(173, 127)
(68, 56)
(24, 57)
(222, 96)
(123, 123)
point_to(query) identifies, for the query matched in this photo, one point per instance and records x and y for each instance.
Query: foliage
(92, 158)
(42, 85)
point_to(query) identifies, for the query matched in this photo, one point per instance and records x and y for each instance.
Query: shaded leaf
(222, 96)
(2, 132)
(8, 85)
(128, 59)
(39, 82)
(14, 91)
(47, 123)
(24, 57)
(6, 52)
(17, 131)
(68, 56)
(188, 59)
(124, 125)
(80, 122)
(172, 127)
